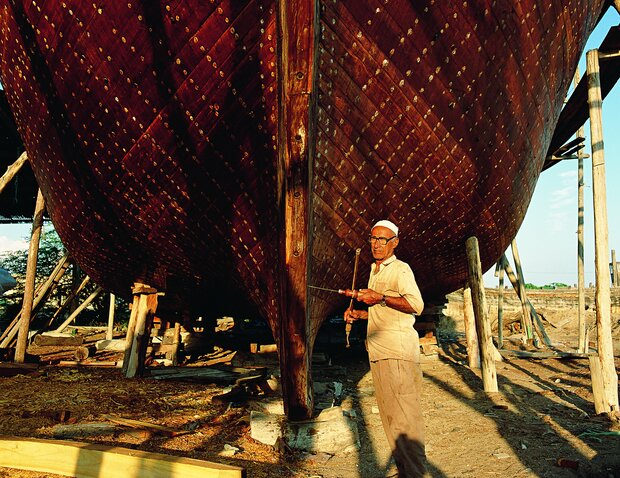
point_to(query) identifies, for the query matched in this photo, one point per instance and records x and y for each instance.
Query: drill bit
(339, 291)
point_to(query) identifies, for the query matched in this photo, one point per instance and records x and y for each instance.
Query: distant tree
(556, 285)
(51, 250)
(529, 285)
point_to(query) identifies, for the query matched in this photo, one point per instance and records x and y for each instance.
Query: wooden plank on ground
(220, 375)
(58, 339)
(77, 459)
(159, 429)
(99, 363)
(82, 430)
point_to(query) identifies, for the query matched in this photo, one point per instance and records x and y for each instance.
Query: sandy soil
(543, 416)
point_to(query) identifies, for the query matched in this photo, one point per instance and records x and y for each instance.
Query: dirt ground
(542, 417)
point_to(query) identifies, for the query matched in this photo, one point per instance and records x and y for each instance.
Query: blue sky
(547, 239)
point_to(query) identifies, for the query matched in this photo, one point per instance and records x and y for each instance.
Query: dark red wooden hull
(157, 131)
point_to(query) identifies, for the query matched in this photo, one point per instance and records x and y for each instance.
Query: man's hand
(351, 315)
(369, 296)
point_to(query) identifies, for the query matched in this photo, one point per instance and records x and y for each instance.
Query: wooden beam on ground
(83, 352)
(12, 170)
(157, 429)
(471, 337)
(69, 458)
(77, 311)
(298, 31)
(474, 267)
(58, 339)
(608, 402)
(98, 364)
(113, 345)
(73, 431)
(31, 272)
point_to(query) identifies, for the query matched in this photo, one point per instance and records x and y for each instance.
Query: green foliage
(555, 285)
(551, 286)
(51, 251)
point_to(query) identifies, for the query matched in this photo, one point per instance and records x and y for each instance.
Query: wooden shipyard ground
(542, 417)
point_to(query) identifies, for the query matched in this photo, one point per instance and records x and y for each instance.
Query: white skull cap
(389, 224)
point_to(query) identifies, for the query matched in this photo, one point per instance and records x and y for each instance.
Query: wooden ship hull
(232, 154)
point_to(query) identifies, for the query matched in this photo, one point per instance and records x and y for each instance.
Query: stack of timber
(233, 153)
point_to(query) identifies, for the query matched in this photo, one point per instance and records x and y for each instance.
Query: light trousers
(397, 389)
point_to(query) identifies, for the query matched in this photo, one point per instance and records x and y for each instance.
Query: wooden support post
(52, 281)
(69, 300)
(139, 329)
(540, 328)
(133, 364)
(489, 374)
(614, 268)
(110, 332)
(499, 271)
(471, 337)
(131, 330)
(77, 311)
(527, 318)
(31, 272)
(581, 294)
(298, 31)
(176, 343)
(601, 248)
(76, 274)
(12, 170)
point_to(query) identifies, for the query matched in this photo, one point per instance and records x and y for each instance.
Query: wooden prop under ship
(233, 153)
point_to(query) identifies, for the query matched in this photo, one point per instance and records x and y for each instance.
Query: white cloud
(10, 245)
(563, 197)
(571, 174)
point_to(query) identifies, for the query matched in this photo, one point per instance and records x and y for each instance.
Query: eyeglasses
(381, 240)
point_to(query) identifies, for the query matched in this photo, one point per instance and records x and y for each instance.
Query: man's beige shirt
(390, 332)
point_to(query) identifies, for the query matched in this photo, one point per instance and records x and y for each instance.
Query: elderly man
(393, 298)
